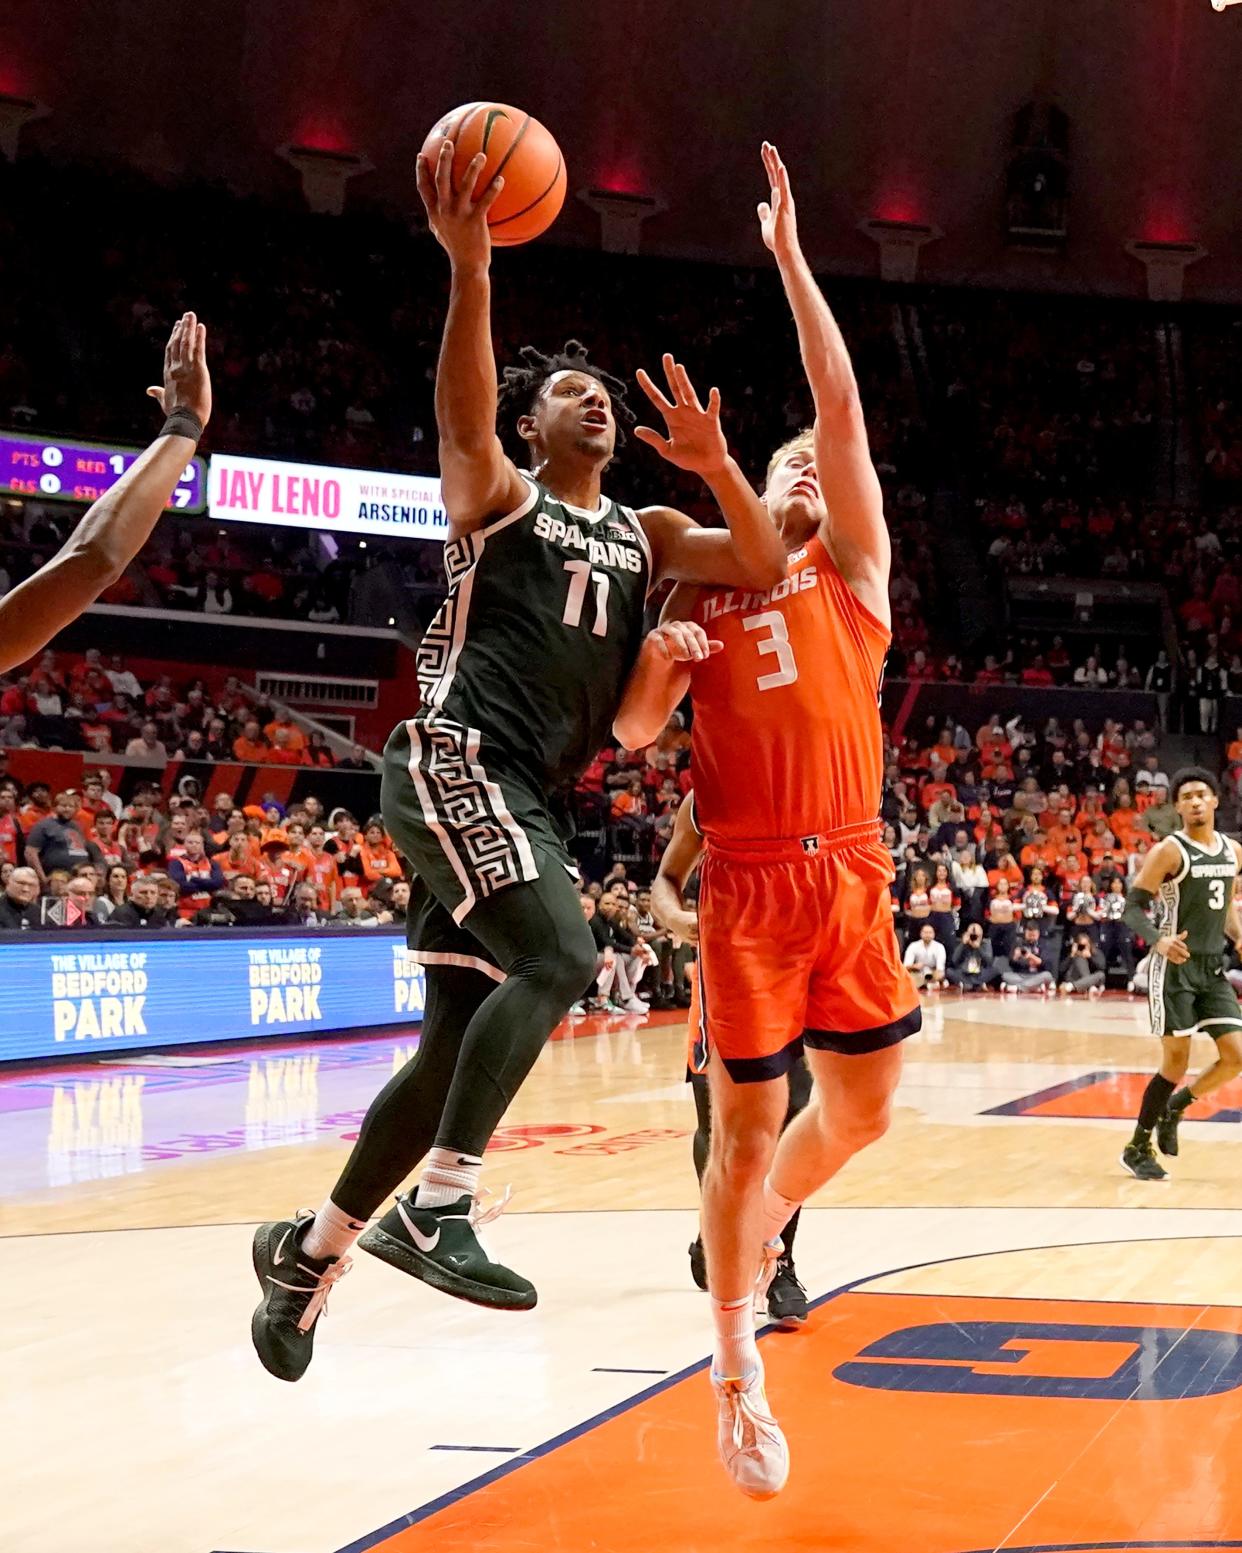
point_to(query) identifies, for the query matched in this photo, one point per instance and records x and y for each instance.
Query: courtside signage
(66, 995)
(323, 498)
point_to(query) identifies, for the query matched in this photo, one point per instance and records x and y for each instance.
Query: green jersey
(1196, 899)
(528, 656)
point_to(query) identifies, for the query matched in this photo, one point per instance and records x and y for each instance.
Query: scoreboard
(61, 470)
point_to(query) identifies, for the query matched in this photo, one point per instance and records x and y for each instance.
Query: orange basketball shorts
(796, 946)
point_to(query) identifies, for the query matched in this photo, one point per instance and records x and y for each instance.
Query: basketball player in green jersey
(520, 675)
(1189, 882)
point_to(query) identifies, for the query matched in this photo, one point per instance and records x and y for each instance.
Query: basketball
(516, 145)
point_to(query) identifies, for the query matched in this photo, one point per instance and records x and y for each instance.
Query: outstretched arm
(855, 532)
(117, 526)
(749, 553)
(479, 481)
(660, 678)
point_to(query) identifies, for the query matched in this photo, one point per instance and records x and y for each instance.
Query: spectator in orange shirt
(1039, 852)
(1233, 753)
(1064, 833)
(298, 850)
(1006, 868)
(1092, 809)
(1098, 840)
(239, 860)
(318, 752)
(37, 807)
(283, 753)
(280, 871)
(295, 738)
(12, 838)
(379, 860)
(250, 744)
(322, 872)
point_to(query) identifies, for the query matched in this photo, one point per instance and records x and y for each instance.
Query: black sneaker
(295, 1291)
(1166, 1132)
(439, 1245)
(786, 1297)
(1141, 1162)
(698, 1263)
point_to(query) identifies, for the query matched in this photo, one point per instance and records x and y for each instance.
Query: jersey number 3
(580, 574)
(777, 644)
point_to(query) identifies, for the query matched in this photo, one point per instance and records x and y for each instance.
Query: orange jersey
(322, 873)
(787, 739)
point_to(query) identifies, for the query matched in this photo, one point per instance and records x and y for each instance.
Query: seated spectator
(318, 751)
(356, 760)
(283, 752)
(17, 903)
(1028, 969)
(143, 909)
(115, 891)
(250, 745)
(1084, 969)
(81, 900)
(377, 856)
(239, 906)
(303, 910)
(353, 910)
(148, 745)
(278, 868)
(282, 723)
(925, 960)
(974, 966)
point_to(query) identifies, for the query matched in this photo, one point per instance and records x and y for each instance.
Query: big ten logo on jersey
(95, 1129)
(284, 986)
(615, 546)
(98, 996)
(408, 982)
(729, 603)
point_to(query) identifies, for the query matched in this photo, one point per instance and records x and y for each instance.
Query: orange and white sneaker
(751, 1444)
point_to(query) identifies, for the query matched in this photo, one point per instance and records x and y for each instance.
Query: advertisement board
(324, 498)
(69, 994)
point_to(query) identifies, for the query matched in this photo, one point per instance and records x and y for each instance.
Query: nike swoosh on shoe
(425, 1243)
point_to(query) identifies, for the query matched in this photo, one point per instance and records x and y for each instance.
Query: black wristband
(182, 423)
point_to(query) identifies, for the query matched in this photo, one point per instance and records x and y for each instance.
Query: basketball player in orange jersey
(796, 943)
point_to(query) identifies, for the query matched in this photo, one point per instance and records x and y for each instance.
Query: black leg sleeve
(701, 1090)
(401, 1124)
(538, 936)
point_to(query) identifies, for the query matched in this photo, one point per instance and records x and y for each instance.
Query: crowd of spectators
(88, 704)
(1013, 848)
(82, 859)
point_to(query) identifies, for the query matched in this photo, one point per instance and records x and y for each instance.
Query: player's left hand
(695, 440)
(778, 220)
(683, 641)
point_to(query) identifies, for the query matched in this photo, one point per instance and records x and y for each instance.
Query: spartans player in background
(785, 1295)
(796, 945)
(116, 527)
(520, 674)
(1189, 883)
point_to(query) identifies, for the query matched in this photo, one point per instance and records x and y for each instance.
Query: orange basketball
(520, 148)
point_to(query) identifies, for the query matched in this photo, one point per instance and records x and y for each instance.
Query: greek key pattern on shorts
(462, 805)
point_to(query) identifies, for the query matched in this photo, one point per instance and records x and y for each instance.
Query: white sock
(447, 1176)
(332, 1232)
(777, 1211)
(736, 1354)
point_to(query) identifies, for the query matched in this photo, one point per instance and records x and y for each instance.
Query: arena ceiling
(888, 108)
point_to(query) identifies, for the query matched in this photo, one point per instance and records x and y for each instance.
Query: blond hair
(803, 442)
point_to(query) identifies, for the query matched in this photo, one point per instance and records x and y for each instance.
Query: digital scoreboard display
(62, 470)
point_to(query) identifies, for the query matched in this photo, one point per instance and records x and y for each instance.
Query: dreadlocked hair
(520, 387)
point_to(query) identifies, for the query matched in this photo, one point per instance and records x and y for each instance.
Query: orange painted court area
(928, 1454)
(1119, 1095)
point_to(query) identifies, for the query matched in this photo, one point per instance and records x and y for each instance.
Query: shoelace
(773, 1250)
(317, 1304)
(483, 1211)
(746, 1413)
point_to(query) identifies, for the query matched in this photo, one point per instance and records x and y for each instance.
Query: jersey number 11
(580, 574)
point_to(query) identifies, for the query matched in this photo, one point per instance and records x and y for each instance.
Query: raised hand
(187, 382)
(458, 220)
(778, 220)
(695, 440)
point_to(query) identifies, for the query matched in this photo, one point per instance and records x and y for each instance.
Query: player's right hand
(684, 926)
(458, 220)
(778, 221)
(187, 382)
(682, 641)
(1173, 949)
